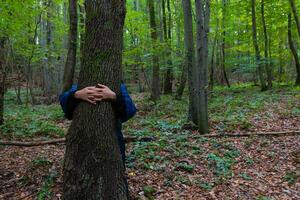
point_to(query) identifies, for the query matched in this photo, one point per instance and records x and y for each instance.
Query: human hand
(89, 94)
(106, 93)
(93, 94)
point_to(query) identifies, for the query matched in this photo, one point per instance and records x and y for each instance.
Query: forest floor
(180, 164)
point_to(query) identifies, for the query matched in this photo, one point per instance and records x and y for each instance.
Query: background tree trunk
(256, 47)
(224, 4)
(202, 19)
(212, 63)
(168, 83)
(2, 76)
(189, 57)
(93, 168)
(71, 57)
(294, 9)
(155, 90)
(293, 49)
(266, 49)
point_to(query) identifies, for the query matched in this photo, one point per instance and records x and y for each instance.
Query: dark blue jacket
(124, 107)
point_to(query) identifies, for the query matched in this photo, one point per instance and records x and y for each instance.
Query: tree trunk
(71, 57)
(267, 62)
(2, 76)
(256, 47)
(168, 83)
(294, 9)
(224, 4)
(155, 90)
(212, 63)
(93, 168)
(81, 28)
(189, 57)
(293, 49)
(202, 19)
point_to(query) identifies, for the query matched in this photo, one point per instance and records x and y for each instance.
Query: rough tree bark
(266, 49)
(189, 58)
(256, 47)
(293, 49)
(201, 87)
(155, 90)
(71, 57)
(93, 168)
(294, 9)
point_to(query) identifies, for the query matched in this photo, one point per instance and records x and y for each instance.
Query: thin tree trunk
(155, 90)
(168, 83)
(28, 65)
(93, 168)
(293, 49)
(256, 47)
(71, 57)
(2, 78)
(224, 4)
(202, 19)
(212, 63)
(267, 62)
(189, 58)
(294, 9)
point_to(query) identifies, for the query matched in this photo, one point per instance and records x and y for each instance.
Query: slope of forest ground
(180, 164)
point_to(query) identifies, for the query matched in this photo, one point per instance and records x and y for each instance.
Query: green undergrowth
(230, 110)
(29, 121)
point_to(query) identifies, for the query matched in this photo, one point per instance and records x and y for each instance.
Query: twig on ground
(63, 140)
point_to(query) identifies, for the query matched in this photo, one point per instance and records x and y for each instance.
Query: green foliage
(28, 121)
(205, 185)
(41, 161)
(45, 192)
(220, 165)
(291, 177)
(149, 192)
(186, 167)
(245, 176)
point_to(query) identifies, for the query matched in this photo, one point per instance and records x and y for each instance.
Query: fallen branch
(127, 139)
(130, 139)
(283, 133)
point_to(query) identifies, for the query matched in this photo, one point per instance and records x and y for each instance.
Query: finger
(97, 95)
(98, 99)
(96, 89)
(101, 86)
(91, 101)
(91, 98)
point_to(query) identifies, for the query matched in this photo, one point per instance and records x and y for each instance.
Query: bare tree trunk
(168, 83)
(189, 58)
(212, 63)
(155, 90)
(267, 62)
(293, 49)
(256, 47)
(294, 9)
(224, 4)
(71, 57)
(202, 19)
(2, 76)
(29, 72)
(93, 168)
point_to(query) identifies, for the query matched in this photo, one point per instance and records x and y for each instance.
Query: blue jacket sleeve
(68, 102)
(125, 106)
